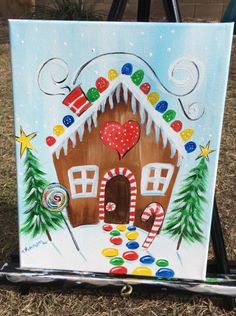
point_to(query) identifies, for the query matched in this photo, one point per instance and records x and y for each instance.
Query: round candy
(115, 233)
(169, 115)
(190, 147)
(132, 235)
(162, 263)
(186, 134)
(165, 273)
(137, 77)
(147, 259)
(110, 252)
(176, 125)
(117, 261)
(58, 130)
(145, 87)
(92, 94)
(118, 270)
(127, 69)
(153, 97)
(131, 228)
(132, 245)
(161, 106)
(68, 120)
(107, 227)
(112, 74)
(130, 255)
(121, 228)
(110, 207)
(55, 197)
(102, 84)
(142, 271)
(116, 240)
(50, 140)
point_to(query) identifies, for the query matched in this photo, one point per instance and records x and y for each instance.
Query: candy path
(121, 261)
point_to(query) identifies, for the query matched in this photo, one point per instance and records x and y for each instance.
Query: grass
(65, 10)
(102, 301)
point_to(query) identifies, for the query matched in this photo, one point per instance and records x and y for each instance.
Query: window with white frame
(83, 181)
(156, 178)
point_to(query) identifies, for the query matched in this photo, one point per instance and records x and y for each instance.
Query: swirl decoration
(55, 197)
(188, 81)
(183, 73)
(52, 76)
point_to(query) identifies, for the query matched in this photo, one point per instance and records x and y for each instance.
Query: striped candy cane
(157, 209)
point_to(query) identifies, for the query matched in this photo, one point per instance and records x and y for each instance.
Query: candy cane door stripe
(117, 198)
(157, 210)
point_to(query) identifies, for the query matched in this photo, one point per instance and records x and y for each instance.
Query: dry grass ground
(51, 302)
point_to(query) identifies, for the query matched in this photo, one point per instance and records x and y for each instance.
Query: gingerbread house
(121, 151)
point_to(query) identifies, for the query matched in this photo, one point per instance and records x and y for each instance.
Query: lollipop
(55, 197)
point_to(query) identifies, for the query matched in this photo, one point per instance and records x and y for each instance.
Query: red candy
(107, 227)
(102, 84)
(50, 140)
(118, 270)
(130, 255)
(176, 125)
(145, 87)
(116, 240)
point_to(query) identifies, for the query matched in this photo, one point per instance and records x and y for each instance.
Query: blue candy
(161, 106)
(132, 245)
(147, 259)
(190, 147)
(165, 273)
(131, 228)
(127, 69)
(68, 120)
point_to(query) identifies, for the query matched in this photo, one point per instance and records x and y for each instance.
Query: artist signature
(33, 246)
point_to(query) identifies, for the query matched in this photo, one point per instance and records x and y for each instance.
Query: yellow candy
(58, 130)
(186, 134)
(142, 271)
(121, 228)
(112, 74)
(153, 97)
(110, 252)
(132, 235)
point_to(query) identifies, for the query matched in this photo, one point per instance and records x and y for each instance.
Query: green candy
(92, 94)
(162, 263)
(115, 233)
(169, 115)
(137, 77)
(117, 261)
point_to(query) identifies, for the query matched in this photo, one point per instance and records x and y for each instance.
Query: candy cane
(157, 209)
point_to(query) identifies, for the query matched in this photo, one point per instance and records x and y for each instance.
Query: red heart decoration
(120, 138)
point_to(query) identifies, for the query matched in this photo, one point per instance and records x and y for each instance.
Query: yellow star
(205, 151)
(24, 141)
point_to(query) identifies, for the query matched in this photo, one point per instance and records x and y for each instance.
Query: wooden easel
(221, 264)
(221, 273)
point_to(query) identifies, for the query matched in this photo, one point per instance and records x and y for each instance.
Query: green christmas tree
(186, 216)
(38, 219)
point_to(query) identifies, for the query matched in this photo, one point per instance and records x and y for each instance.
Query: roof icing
(143, 100)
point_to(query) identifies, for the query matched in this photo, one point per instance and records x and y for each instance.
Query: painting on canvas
(117, 139)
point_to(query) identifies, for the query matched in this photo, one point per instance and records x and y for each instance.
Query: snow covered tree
(38, 219)
(186, 215)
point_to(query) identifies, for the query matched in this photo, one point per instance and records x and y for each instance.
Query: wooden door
(117, 200)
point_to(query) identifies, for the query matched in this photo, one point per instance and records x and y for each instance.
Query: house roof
(140, 101)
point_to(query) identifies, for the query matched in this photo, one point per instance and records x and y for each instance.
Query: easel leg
(117, 10)
(218, 244)
(172, 10)
(143, 10)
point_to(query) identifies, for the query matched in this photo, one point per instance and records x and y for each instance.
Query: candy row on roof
(78, 102)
